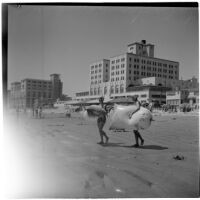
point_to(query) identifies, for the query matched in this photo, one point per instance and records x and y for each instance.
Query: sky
(65, 39)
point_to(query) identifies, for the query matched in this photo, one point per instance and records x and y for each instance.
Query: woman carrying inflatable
(136, 132)
(101, 120)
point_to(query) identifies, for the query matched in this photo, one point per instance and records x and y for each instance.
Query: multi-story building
(15, 95)
(99, 74)
(56, 86)
(26, 93)
(138, 62)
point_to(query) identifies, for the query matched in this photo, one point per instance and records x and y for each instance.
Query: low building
(82, 95)
(146, 93)
(173, 84)
(193, 98)
(176, 98)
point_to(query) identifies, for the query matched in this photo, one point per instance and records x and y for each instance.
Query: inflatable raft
(120, 117)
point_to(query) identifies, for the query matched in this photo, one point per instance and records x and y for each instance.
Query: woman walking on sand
(136, 132)
(101, 120)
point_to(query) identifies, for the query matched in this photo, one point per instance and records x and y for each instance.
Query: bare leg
(105, 135)
(140, 137)
(100, 126)
(136, 138)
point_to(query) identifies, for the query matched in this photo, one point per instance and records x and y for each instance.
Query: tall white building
(123, 70)
(99, 75)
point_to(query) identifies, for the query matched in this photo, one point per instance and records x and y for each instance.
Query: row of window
(96, 66)
(39, 94)
(37, 86)
(117, 66)
(95, 77)
(38, 82)
(117, 72)
(117, 60)
(117, 78)
(95, 82)
(96, 71)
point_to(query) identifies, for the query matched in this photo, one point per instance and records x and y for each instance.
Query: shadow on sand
(153, 147)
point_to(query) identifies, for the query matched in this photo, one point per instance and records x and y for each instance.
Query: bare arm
(138, 108)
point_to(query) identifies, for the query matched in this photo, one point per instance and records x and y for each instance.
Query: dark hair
(135, 97)
(101, 99)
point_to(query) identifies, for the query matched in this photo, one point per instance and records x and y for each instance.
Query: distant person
(101, 122)
(36, 112)
(150, 106)
(40, 112)
(33, 111)
(136, 132)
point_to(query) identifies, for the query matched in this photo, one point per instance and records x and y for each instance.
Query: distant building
(28, 92)
(187, 91)
(57, 85)
(176, 98)
(146, 93)
(82, 95)
(173, 84)
(193, 98)
(15, 95)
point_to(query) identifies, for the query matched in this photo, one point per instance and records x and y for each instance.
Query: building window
(116, 89)
(121, 88)
(143, 95)
(112, 90)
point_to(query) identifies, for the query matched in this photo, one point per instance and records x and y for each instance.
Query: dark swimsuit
(101, 120)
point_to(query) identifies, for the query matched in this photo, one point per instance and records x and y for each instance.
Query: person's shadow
(153, 147)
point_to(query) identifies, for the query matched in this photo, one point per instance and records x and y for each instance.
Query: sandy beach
(58, 157)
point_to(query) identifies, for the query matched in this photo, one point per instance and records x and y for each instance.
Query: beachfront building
(177, 97)
(28, 92)
(99, 74)
(81, 95)
(186, 91)
(112, 77)
(15, 95)
(193, 98)
(173, 84)
(147, 93)
(139, 62)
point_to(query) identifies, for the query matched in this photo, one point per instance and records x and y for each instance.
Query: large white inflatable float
(120, 117)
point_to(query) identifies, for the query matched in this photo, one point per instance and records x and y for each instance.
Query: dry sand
(57, 157)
